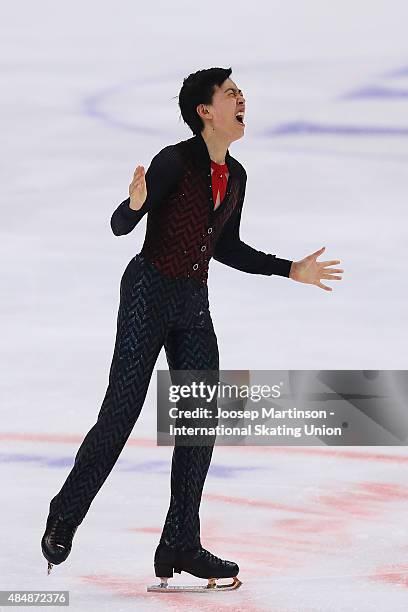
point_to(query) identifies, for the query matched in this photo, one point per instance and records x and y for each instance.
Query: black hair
(198, 88)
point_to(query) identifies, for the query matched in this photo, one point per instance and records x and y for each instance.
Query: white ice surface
(88, 94)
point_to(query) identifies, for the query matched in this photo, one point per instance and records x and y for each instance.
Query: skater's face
(228, 100)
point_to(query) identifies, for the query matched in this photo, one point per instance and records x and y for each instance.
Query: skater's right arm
(147, 190)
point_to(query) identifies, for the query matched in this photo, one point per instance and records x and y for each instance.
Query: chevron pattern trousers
(154, 311)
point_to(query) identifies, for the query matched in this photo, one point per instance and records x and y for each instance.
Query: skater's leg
(195, 348)
(141, 326)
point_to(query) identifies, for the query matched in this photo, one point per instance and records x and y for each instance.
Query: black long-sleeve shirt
(183, 229)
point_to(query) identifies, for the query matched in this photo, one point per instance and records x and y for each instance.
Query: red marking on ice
(273, 560)
(312, 526)
(384, 491)
(395, 574)
(348, 502)
(364, 499)
(128, 587)
(65, 438)
(122, 586)
(267, 541)
(145, 529)
(212, 527)
(257, 503)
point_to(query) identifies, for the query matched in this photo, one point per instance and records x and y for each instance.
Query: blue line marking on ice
(304, 127)
(377, 92)
(157, 467)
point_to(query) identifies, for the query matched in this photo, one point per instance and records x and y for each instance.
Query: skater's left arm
(232, 251)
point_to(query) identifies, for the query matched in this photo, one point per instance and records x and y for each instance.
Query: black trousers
(154, 311)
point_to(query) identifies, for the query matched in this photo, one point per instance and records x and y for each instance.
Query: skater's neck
(217, 145)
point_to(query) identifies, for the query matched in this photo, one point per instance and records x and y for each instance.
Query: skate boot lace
(212, 558)
(61, 532)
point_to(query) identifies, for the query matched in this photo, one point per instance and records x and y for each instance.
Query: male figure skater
(193, 192)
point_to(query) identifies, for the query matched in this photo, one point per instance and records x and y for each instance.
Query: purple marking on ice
(226, 471)
(17, 457)
(92, 108)
(147, 466)
(24, 458)
(295, 128)
(59, 461)
(92, 104)
(400, 72)
(376, 92)
(156, 467)
(160, 467)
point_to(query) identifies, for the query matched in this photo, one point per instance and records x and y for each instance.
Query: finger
(323, 268)
(317, 253)
(134, 187)
(329, 263)
(325, 287)
(331, 277)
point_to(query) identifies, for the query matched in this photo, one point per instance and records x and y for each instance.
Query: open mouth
(240, 118)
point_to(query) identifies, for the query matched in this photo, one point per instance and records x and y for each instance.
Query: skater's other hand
(310, 271)
(138, 189)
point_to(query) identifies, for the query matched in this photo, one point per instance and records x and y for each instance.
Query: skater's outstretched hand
(138, 189)
(310, 271)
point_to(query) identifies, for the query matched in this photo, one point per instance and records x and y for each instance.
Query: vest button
(195, 266)
(203, 247)
(209, 230)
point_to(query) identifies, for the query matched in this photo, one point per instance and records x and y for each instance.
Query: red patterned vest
(183, 230)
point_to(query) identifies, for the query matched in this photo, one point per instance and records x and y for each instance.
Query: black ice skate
(57, 540)
(200, 563)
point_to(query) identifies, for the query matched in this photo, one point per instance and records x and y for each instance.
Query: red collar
(219, 167)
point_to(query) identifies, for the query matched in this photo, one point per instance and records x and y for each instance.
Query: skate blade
(212, 585)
